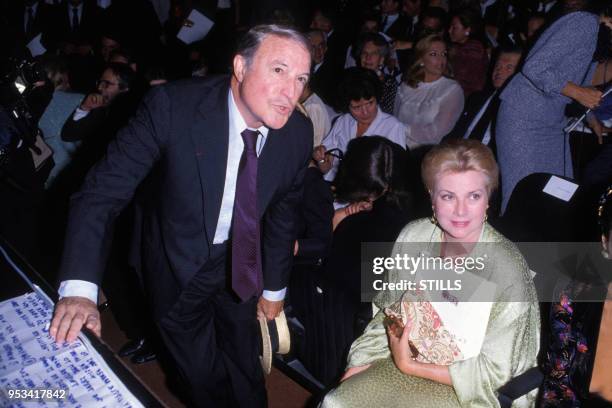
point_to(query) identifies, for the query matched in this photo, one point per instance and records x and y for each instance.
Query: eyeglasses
(337, 153)
(105, 83)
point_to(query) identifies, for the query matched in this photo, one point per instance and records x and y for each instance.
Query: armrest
(519, 386)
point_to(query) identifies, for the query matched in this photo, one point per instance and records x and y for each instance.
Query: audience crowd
(390, 81)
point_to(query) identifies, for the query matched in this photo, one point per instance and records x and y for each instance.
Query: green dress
(510, 344)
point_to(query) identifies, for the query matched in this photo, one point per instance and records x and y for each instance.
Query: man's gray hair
(250, 42)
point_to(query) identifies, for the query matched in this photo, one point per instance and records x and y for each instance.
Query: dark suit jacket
(401, 29)
(89, 26)
(472, 106)
(42, 23)
(179, 138)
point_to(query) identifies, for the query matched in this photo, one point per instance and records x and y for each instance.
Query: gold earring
(433, 219)
(486, 217)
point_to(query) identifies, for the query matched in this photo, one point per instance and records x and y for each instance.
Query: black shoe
(132, 347)
(145, 355)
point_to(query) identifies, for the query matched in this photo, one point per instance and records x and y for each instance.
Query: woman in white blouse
(428, 101)
(360, 91)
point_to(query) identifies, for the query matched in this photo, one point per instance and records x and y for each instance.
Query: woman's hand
(341, 213)
(400, 349)
(588, 97)
(354, 370)
(324, 161)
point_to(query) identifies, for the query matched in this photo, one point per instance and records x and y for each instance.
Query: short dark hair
(372, 167)
(249, 43)
(359, 83)
(125, 75)
(435, 12)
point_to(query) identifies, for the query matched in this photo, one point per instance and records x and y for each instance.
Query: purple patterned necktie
(247, 276)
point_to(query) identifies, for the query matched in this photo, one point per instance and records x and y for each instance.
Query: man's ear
(240, 67)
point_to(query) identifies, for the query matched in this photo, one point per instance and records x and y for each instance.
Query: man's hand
(92, 101)
(70, 315)
(268, 308)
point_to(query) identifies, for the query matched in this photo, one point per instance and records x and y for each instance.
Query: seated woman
(373, 50)
(360, 91)
(327, 301)
(436, 361)
(428, 100)
(468, 55)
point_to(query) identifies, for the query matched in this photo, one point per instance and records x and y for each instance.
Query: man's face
(389, 6)
(533, 25)
(320, 22)
(108, 86)
(370, 26)
(108, 46)
(505, 67)
(370, 56)
(411, 7)
(267, 91)
(431, 25)
(319, 47)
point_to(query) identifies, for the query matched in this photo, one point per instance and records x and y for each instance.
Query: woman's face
(364, 110)
(460, 201)
(435, 61)
(370, 56)
(457, 32)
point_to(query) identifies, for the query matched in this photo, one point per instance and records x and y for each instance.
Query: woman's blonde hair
(457, 156)
(415, 72)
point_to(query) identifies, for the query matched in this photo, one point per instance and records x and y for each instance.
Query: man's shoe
(145, 355)
(132, 347)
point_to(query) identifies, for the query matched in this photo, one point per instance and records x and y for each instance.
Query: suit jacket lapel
(210, 135)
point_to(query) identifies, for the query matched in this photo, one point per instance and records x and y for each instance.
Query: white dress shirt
(487, 136)
(79, 13)
(345, 130)
(389, 20)
(26, 15)
(431, 109)
(224, 222)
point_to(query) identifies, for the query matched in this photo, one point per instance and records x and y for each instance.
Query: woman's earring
(486, 217)
(421, 65)
(433, 219)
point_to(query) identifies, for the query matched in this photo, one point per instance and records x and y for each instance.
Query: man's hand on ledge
(70, 315)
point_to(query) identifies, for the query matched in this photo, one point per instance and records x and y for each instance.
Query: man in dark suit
(326, 72)
(478, 118)
(27, 19)
(225, 161)
(76, 26)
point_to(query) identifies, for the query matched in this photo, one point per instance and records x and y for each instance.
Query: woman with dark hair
(468, 55)
(428, 101)
(370, 183)
(530, 123)
(360, 92)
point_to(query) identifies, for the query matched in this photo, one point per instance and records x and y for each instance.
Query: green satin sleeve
(510, 348)
(372, 345)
